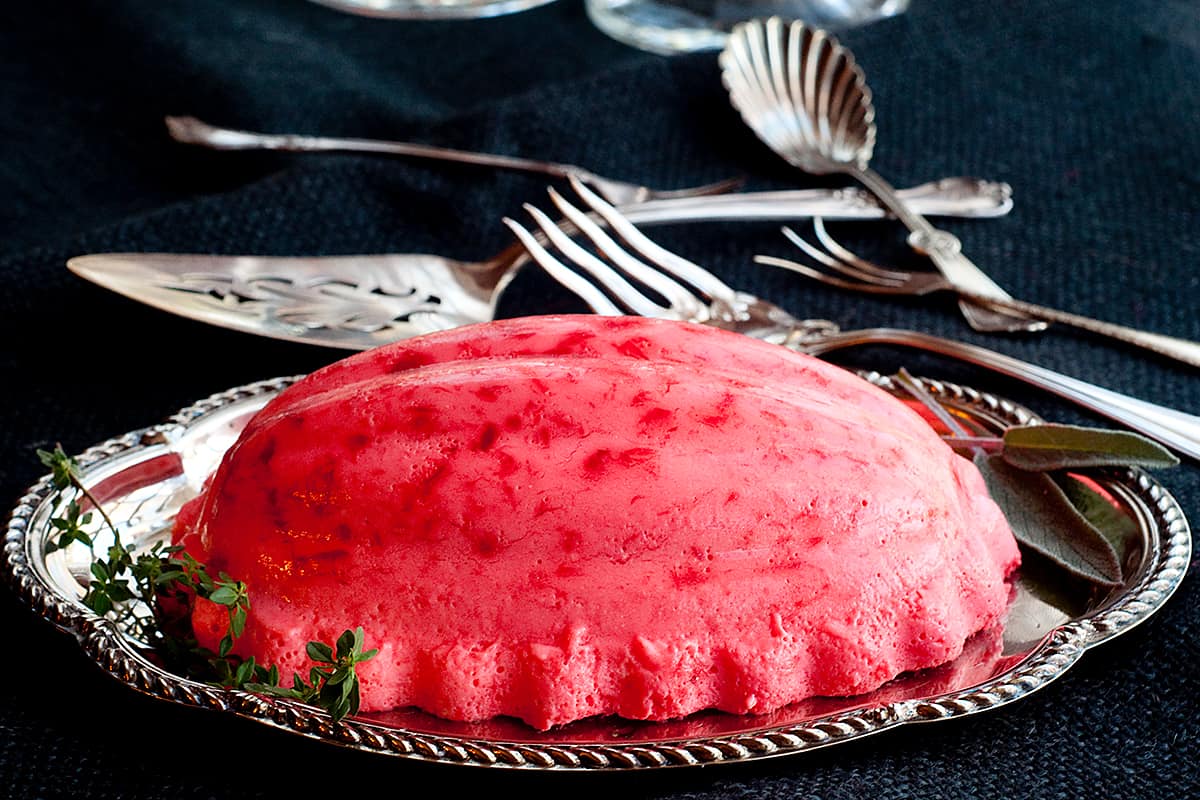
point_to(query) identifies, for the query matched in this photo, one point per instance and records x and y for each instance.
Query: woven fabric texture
(1090, 111)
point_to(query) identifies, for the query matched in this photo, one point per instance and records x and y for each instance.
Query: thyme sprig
(163, 580)
(331, 682)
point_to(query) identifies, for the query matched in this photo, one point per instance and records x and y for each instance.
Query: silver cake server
(361, 301)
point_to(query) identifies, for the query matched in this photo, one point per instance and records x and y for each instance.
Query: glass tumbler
(675, 26)
(431, 9)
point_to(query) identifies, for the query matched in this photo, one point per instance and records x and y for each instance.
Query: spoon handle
(1176, 429)
(1183, 350)
(945, 251)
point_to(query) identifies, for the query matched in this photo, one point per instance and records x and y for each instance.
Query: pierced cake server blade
(349, 302)
(361, 301)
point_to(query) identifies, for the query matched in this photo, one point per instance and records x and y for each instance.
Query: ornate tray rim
(123, 659)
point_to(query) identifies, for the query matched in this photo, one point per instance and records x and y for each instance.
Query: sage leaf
(1118, 527)
(1045, 448)
(1043, 519)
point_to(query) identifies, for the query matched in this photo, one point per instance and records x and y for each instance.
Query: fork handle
(1175, 429)
(945, 251)
(1182, 350)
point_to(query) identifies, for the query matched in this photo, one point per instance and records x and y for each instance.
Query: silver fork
(861, 275)
(190, 130)
(364, 301)
(693, 294)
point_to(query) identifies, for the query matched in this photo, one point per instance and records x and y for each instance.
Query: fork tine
(848, 257)
(861, 283)
(679, 298)
(829, 280)
(867, 276)
(662, 258)
(834, 263)
(587, 291)
(623, 290)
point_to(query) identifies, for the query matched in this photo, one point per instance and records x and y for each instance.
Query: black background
(1090, 110)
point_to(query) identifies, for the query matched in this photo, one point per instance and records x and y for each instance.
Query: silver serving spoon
(803, 94)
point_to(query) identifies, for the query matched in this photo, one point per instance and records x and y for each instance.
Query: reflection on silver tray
(142, 478)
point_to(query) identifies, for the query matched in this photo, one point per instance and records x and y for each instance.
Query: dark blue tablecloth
(1090, 110)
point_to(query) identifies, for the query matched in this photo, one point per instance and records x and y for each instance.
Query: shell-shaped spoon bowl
(801, 92)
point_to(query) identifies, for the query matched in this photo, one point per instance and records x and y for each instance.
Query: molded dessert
(559, 517)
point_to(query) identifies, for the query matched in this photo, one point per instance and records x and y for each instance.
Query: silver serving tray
(143, 478)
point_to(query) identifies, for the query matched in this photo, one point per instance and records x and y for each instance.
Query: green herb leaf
(346, 642)
(1118, 527)
(98, 601)
(122, 576)
(1044, 520)
(339, 710)
(320, 652)
(62, 467)
(237, 621)
(224, 595)
(170, 576)
(1043, 448)
(245, 671)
